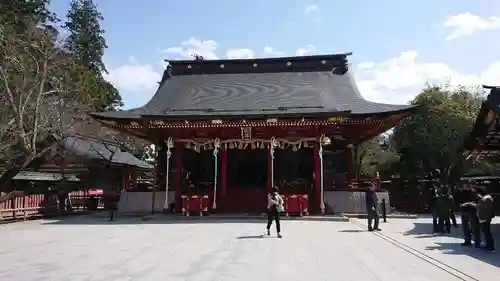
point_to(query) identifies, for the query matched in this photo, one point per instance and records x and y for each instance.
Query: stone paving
(415, 234)
(86, 248)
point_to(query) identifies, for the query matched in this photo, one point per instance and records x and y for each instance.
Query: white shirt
(271, 202)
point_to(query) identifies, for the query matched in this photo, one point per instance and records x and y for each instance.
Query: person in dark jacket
(371, 198)
(436, 206)
(112, 205)
(444, 210)
(452, 216)
(470, 225)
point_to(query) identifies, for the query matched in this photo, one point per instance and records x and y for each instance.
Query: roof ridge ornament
(196, 56)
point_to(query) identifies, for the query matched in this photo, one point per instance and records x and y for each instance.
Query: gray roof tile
(100, 150)
(299, 90)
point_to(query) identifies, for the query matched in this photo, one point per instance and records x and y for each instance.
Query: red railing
(36, 205)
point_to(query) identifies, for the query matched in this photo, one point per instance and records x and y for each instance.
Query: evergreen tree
(86, 43)
(86, 40)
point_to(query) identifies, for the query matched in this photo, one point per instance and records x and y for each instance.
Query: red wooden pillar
(349, 164)
(317, 178)
(223, 173)
(270, 171)
(178, 155)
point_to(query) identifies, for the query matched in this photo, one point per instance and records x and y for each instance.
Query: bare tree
(41, 86)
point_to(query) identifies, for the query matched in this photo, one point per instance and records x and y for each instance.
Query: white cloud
(136, 82)
(305, 50)
(270, 51)
(134, 76)
(465, 24)
(240, 54)
(399, 79)
(311, 9)
(192, 46)
(366, 65)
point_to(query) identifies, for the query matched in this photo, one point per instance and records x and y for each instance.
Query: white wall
(337, 201)
(351, 202)
(141, 202)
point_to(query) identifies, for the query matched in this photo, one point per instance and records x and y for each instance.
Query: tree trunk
(23, 162)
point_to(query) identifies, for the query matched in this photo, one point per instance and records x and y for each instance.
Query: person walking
(371, 199)
(274, 207)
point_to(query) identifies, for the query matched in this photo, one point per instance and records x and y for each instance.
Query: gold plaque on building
(246, 133)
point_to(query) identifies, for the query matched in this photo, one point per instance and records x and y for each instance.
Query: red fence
(36, 205)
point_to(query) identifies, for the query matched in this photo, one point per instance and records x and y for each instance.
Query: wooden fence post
(13, 207)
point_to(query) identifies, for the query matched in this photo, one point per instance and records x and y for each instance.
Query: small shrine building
(230, 130)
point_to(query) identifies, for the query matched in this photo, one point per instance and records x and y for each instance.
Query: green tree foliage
(430, 139)
(375, 156)
(87, 44)
(22, 15)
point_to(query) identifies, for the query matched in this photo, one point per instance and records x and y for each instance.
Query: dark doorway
(247, 181)
(247, 168)
(294, 169)
(199, 170)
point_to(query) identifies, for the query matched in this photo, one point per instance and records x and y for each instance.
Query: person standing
(274, 207)
(371, 198)
(434, 206)
(485, 213)
(452, 216)
(467, 213)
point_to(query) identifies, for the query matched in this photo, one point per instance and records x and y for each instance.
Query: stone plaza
(92, 248)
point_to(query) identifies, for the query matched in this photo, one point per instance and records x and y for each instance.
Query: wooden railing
(39, 205)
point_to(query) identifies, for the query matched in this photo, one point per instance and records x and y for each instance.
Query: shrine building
(227, 131)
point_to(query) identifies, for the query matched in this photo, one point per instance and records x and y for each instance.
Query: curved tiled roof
(102, 150)
(485, 133)
(295, 85)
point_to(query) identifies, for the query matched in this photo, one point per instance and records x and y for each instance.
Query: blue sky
(397, 45)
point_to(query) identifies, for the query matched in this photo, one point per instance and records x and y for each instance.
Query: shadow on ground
(262, 236)
(423, 230)
(352, 230)
(151, 221)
